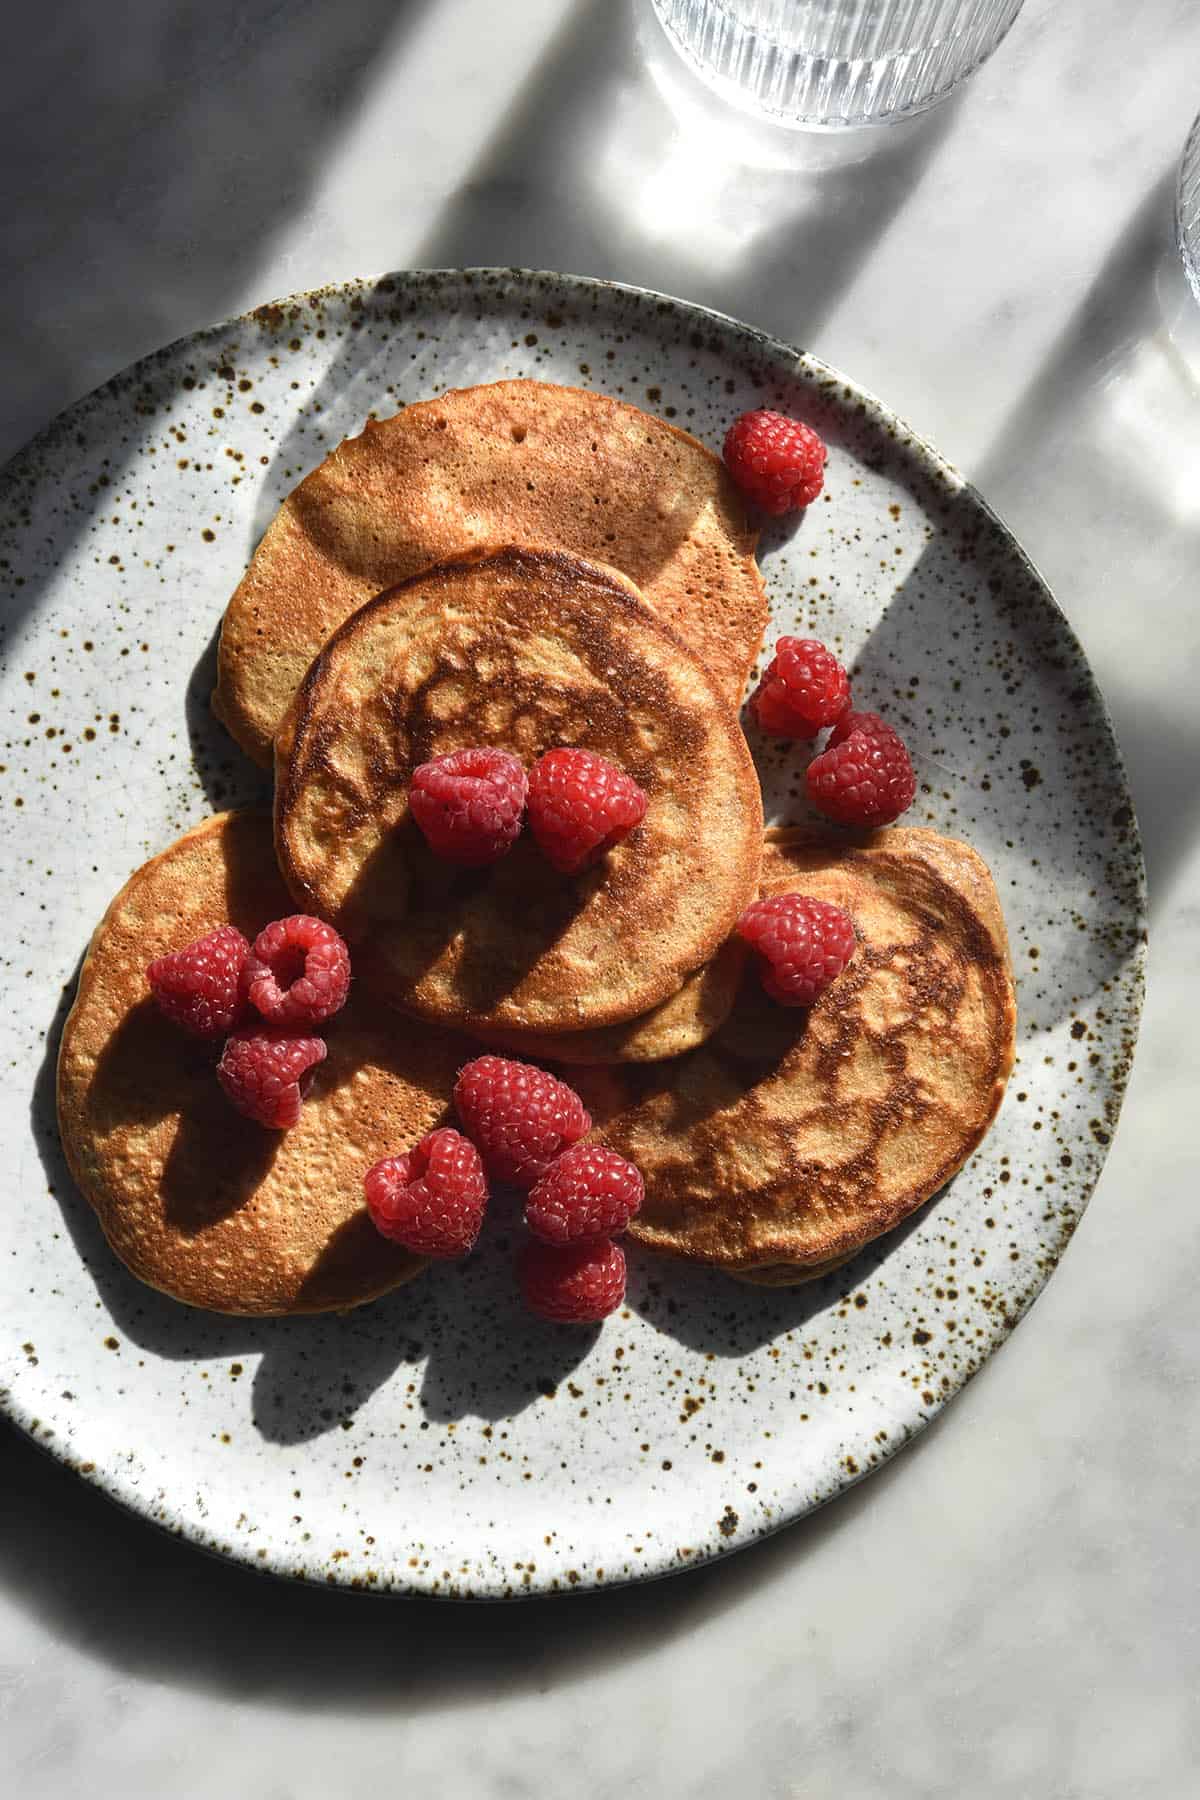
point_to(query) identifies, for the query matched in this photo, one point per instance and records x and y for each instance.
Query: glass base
(803, 64)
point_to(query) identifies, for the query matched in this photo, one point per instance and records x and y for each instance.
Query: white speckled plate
(439, 1440)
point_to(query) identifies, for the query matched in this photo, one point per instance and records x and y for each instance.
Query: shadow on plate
(228, 777)
(712, 1312)
(73, 1563)
(315, 1372)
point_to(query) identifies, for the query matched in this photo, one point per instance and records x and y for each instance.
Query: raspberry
(865, 776)
(777, 462)
(580, 805)
(587, 1192)
(866, 724)
(197, 987)
(432, 1199)
(298, 972)
(805, 944)
(469, 805)
(575, 1285)
(804, 688)
(518, 1117)
(263, 1072)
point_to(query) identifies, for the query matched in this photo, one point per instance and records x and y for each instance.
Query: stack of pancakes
(524, 566)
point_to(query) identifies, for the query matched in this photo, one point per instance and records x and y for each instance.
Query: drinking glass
(1187, 209)
(828, 63)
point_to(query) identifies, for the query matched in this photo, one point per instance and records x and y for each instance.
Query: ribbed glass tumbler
(1187, 209)
(835, 62)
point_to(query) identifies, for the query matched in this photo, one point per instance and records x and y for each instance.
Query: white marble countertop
(1009, 1608)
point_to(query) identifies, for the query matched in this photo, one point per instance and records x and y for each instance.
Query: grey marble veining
(1008, 1609)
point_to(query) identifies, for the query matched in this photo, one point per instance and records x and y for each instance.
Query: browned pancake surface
(514, 461)
(197, 1200)
(679, 1024)
(792, 1138)
(524, 650)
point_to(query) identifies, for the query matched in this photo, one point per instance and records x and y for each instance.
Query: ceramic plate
(441, 1441)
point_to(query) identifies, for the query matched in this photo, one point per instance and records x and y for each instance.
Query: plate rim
(129, 1499)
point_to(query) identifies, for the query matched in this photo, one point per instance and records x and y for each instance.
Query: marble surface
(1008, 1609)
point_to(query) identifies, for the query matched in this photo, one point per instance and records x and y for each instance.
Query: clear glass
(835, 62)
(1187, 209)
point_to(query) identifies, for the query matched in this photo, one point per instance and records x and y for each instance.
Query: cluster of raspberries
(264, 999)
(471, 804)
(521, 1128)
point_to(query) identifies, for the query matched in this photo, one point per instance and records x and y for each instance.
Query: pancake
(516, 461)
(195, 1199)
(681, 1023)
(523, 650)
(793, 1138)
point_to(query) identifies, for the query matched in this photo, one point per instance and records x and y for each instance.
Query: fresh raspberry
(865, 776)
(432, 1199)
(469, 805)
(263, 1072)
(298, 972)
(779, 463)
(866, 724)
(804, 945)
(518, 1117)
(197, 987)
(576, 1284)
(580, 805)
(587, 1192)
(804, 688)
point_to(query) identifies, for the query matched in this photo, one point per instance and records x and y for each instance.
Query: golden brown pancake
(524, 650)
(195, 1199)
(793, 1138)
(516, 461)
(686, 1020)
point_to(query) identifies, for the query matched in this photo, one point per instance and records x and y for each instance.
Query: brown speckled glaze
(440, 1441)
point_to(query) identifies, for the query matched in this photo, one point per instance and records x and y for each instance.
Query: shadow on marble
(173, 145)
(145, 1604)
(228, 162)
(1091, 408)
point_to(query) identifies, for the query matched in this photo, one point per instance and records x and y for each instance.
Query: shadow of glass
(1081, 451)
(638, 180)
